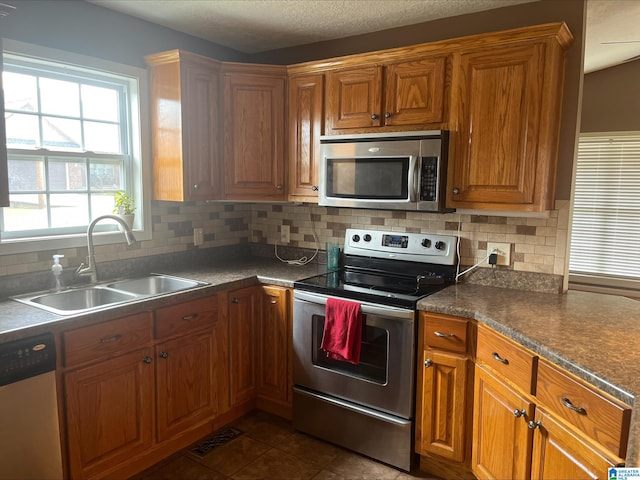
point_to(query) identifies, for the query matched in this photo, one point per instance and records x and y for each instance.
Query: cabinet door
(244, 311)
(201, 113)
(559, 453)
(273, 345)
(254, 137)
(109, 412)
(501, 436)
(414, 92)
(184, 383)
(443, 397)
(499, 157)
(306, 96)
(354, 98)
(185, 126)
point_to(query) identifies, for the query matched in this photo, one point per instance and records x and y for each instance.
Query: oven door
(384, 378)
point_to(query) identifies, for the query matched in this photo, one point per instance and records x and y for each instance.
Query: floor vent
(219, 438)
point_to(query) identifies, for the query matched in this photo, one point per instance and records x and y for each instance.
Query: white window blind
(605, 238)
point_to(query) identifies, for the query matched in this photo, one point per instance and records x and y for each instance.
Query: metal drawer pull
(428, 362)
(164, 355)
(567, 403)
(499, 358)
(190, 317)
(273, 302)
(115, 338)
(520, 413)
(444, 335)
(235, 300)
(147, 360)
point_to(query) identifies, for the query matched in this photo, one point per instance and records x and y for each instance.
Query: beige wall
(611, 99)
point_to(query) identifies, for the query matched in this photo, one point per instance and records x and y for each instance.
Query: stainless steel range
(368, 406)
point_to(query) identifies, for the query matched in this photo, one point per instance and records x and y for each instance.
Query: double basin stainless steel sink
(95, 297)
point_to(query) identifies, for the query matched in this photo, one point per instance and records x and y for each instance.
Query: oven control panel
(420, 247)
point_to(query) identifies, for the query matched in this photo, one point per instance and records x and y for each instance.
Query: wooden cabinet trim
(557, 31)
(186, 317)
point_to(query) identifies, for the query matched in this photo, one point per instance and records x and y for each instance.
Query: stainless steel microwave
(399, 171)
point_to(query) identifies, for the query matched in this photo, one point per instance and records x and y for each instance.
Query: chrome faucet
(92, 269)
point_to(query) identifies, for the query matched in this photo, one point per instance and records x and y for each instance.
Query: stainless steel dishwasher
(30, 435)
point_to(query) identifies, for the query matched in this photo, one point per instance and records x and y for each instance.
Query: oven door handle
(366, 307)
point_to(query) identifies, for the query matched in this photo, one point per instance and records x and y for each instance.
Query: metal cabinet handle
(498, 358)
(190, 317)
(164, 355)
(444, 335)
(235, 300)
(196, 186)
(147, 360)
(520, 413)
(314, 188)
(388, 115)
(115, 338)
(279, 187)
(456, 191)
(428, 362)
(273, 302)
(567, 403)
(533, 425)
(374, 117)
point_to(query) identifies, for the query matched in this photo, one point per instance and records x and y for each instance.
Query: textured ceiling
(252, 26)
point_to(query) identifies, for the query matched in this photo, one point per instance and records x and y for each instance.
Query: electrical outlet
(503, 250)
(198, 236)
(285, 233)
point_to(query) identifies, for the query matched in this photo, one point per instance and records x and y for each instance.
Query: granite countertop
(18, 320)
(595, 336)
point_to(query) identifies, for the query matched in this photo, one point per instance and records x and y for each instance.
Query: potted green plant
(124, 207)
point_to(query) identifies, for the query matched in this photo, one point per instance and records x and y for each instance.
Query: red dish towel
(342, 330)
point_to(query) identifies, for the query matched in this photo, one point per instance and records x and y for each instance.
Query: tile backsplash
(538, 244)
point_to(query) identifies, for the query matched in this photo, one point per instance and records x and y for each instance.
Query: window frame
(138, 172)
(593, 281)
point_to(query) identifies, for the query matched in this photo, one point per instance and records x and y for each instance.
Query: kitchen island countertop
(594, 336)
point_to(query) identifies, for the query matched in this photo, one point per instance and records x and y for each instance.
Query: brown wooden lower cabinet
(501, 435)
(109, 413)
(522, 427)
(273, 350)
(185, 393)
(560, 453)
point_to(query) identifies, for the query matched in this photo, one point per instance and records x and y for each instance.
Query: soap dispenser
(56, 271)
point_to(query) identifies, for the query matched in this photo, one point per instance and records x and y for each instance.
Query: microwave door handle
(414, 178)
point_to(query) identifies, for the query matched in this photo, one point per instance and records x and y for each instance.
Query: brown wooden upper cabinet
(306, 97)
(506, 105)
(409, 93)
(254, 113)
(185, 126)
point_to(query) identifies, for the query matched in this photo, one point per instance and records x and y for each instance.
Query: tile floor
(269, 449)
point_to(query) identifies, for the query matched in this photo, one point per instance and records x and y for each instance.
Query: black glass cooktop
(376, 287)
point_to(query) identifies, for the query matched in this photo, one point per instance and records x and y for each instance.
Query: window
(606, 214)
(74, 139)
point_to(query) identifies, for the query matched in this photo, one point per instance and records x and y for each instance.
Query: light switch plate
(285, 233)
(504, 252)
(198, 236)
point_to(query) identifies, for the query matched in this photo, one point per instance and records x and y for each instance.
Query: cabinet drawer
(515, 363)
(106, 339)
(596, 413)
(186, 317)
(445, 332)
